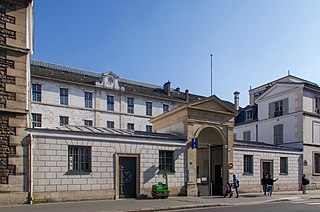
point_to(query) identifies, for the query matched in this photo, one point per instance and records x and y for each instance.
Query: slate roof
(54, 71)
(261, 145)
(85, 130)
(241, 117)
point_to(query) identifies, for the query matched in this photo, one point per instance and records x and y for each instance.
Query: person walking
(304, 184)
(264, 184)
(236, 184)
(270, 182)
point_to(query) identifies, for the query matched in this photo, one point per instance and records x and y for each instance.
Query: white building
(67, 96)
(285, 113)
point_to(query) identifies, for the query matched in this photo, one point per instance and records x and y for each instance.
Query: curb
(204, 206)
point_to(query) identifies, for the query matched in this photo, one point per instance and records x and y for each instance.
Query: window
(248, 164)
(88, 123)
(36, 92)
(165, 108)
(110, 124)
(166, 161)
(63, 96)
(64, 120)
(317, 105)
(316, 163)
(88, 99)
(149, 108)
(130, 104)
(248, 114)
(278, 108)
(148, 128)
(283, 165)
(36, 120)
(234, 136)
(110, 103)
(130, 126)
(247, 136)
(278, 134)
(316, 133)
(79, 159)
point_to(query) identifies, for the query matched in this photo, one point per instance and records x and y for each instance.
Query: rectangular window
(130, 104)
(165, 108)
(148, 128)
(88, 99)
(316, 163)
(64, 120)
(149, 108)
(283, 165)
(36, 92)
(63, 96)
(247, 136)
(130, 126)
(248, 164)
(316, 133)
(278, 108)
(36, 120)
(110, 124)
(88, 123)
(249, 115)
(278, 134)
(79, 159)
(110, 102)
(166, 161)
(317, 105)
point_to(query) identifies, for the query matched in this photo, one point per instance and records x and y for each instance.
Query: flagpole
(211, 74)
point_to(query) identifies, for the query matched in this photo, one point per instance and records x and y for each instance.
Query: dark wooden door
(218, 184)
(266, 167)
(127, 177)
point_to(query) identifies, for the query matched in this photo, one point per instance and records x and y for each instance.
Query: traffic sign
(230, 165)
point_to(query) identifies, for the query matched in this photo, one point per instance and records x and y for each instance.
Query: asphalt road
(299, 206)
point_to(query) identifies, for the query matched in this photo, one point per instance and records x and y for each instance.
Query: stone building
(16, 37)
(285, 113)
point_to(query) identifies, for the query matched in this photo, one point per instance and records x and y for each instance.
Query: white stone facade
(53, 182)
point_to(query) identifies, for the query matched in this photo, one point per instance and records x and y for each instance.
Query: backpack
(238, 183)
(307, 181)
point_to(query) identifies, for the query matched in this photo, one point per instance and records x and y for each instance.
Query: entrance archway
(210, 161)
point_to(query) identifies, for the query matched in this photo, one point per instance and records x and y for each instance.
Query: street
(292, 206)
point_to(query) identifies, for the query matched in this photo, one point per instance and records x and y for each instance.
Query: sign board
(230, 165)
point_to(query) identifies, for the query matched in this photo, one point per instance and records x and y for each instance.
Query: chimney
(186, 95)
(236, 100)
(166, 88)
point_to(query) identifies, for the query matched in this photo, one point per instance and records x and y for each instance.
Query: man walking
(270, 182)
(264, 184)
(304, 184)
(236, 184)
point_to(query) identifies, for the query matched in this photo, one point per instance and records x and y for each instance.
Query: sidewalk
(174, 203)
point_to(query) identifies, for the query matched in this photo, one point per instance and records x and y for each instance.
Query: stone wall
(52, 182)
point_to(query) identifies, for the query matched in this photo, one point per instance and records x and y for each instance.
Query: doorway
(266, 167)
(127, 177)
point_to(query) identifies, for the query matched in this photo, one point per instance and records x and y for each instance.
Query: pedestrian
(264, 183)
(304, 184)
(236, 185)
(270, 182)
(229, 190)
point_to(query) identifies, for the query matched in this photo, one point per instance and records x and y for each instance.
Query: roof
(91, 130)
(241, 117)
(261, 145)
(66, 73)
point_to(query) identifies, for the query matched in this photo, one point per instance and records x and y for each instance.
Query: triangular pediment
(213, 103)
(279, 89)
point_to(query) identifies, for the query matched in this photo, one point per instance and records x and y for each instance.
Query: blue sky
(253, 41)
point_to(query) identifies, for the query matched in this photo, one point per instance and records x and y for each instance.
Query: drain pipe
(30, 189)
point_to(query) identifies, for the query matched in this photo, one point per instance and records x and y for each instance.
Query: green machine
(161, 190)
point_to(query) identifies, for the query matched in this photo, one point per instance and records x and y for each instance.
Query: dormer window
(249, 114)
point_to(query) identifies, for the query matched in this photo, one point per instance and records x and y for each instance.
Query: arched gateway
(207, 125)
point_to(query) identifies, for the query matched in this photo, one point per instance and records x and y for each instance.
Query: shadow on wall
(149, 173)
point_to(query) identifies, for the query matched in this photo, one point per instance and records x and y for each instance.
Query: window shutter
(285, 106)
(275, 134)
(280, 132)
(271, 109)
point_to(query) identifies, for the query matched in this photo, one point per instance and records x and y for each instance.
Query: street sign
(194, 143)
(230, 165)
